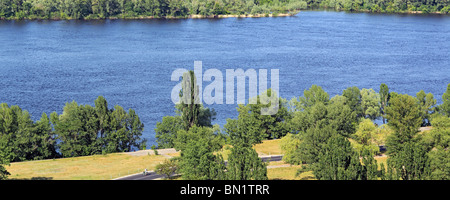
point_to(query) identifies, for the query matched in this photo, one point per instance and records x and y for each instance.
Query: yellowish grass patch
(97, 167)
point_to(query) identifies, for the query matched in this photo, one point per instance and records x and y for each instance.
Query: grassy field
(97, 167)
(106, 167)
(268, 147)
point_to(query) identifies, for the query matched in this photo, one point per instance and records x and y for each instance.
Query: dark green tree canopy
(244, 164)
(338, 161)
(251, 126)
(404, 117)
(445, 106)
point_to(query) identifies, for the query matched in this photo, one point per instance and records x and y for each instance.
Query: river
(44, 64)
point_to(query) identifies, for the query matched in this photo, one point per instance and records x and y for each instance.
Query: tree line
(341, 145)
(100, 9)
(384, 6)
(80, 130)
(335, 138)
(331, 143)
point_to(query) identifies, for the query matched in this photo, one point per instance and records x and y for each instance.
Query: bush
(297, 5)
(445, 10)
(289, 145)
(167, 168)
(424, 9)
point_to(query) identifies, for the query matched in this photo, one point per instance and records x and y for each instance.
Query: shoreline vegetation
(183, 9)
(289, 14)
(197, 16)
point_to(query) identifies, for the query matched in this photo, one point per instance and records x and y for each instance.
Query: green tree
(426, 103)
(252, 126)
(313, 140)
(440, 163)
(445, 106)
(168, 168)
(85, 130)
(5, 153)
(197, 160)
(338, 161)
(410, 163)
(312, 96)
(353, 96)
(213, 136)
(438, 141)
(26, 139)
(45, 146)
(166, 131)
(190, 101)
(370, 103)
(103, 114)
(244, 164)
(338, 115)
(77, 130)
(370, 166)
(365, 137)
(289, 144)
(404, 117)
(384, 100)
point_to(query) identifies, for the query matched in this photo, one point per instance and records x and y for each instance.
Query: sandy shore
(237, 16)
(186, 17)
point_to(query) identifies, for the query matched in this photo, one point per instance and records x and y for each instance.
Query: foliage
(426, 103)
(440, 163)
(166, 131)
(370, 166)
(353, 97)
(312, 96)
(338, 161)
(98, 9)
(438, 140)
(189, 100)
(85, 130)
(381, 134)
(25, 139)
(289, 145)
(337, 115)
(445, 106)
(365, 136)
(388, 6)
(244, 164)
(189, 113)
(197, 160)
(384, 100)
(4, 158)
(251, 127)
(370, 103)
(213, 137)
(411, 162)
(167, 168)
(404, 116)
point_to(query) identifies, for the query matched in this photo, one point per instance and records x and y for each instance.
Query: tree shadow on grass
(32, 179)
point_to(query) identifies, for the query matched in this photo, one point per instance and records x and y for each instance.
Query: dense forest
(80, 130)
(336, 137)
(100, 9)
(385, 6)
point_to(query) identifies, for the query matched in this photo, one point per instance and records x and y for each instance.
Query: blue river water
(44, 64)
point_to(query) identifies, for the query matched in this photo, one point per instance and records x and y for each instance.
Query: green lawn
(97, 167)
